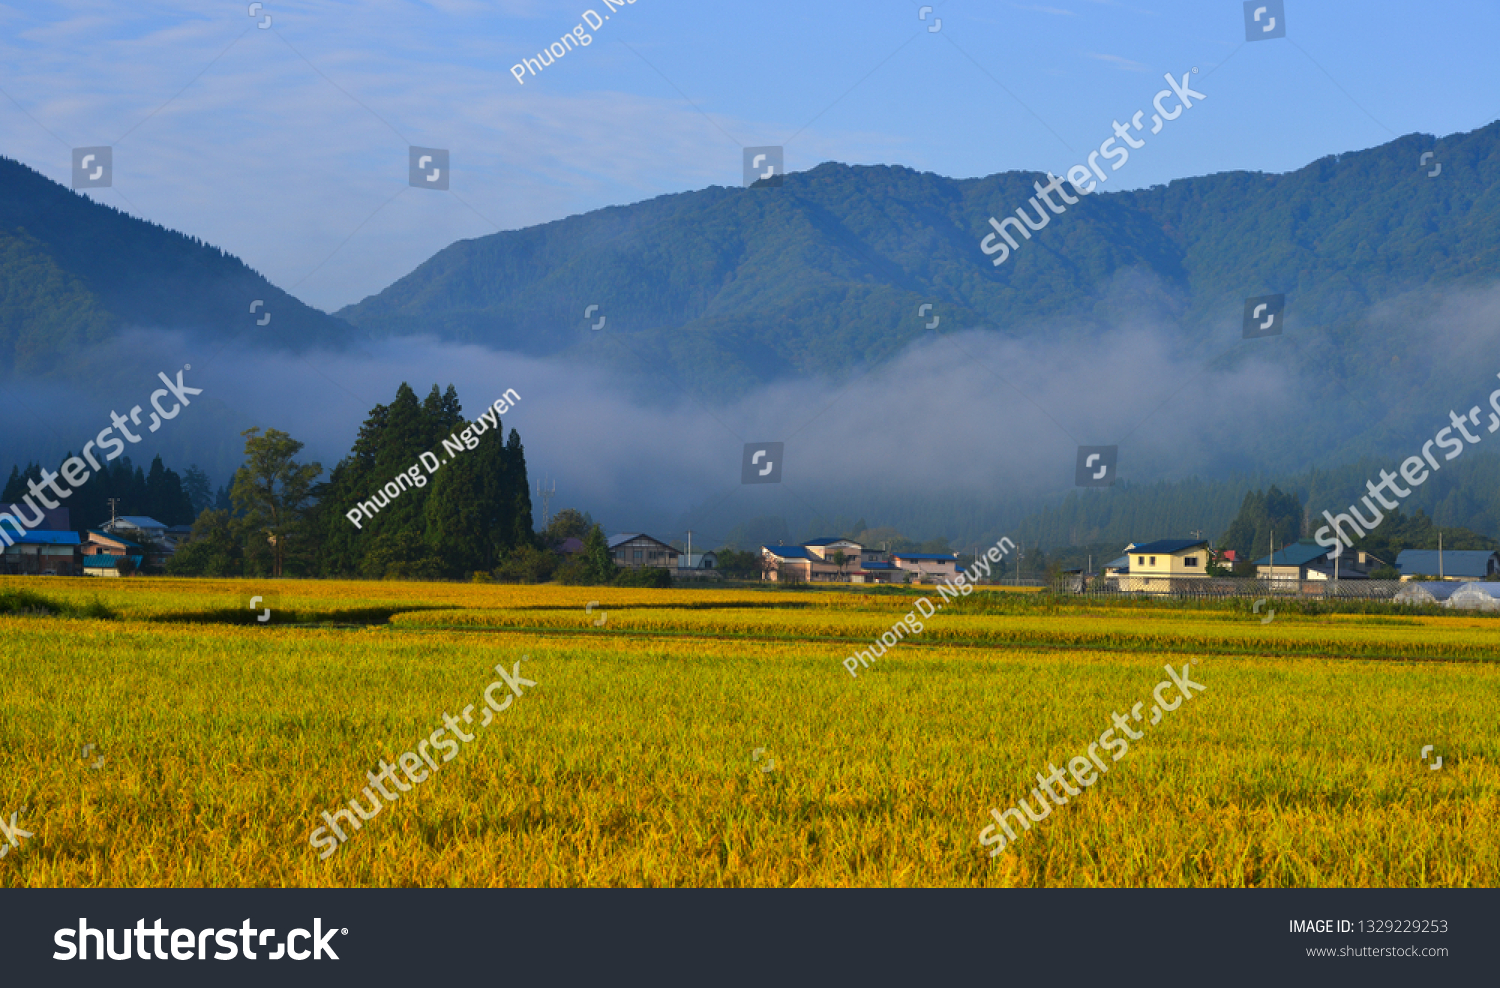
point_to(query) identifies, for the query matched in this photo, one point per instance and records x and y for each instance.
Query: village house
(839, 560)
(927, 567)
(50, 549)
(826, 560)
(1154, 566)
(1306, 560)
(637, 551)
(102, 552)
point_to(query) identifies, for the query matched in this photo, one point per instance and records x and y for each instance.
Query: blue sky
(288, 146)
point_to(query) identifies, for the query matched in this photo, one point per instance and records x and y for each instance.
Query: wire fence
(1186, 586)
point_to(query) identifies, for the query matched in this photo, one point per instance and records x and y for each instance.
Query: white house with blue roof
(828, 560)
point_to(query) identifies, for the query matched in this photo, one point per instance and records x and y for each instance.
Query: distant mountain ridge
(730, 288)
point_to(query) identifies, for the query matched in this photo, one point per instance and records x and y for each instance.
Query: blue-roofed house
(102, 551)
(46, 548)
(929, 566)
(1455, 564)
(138, 528)
(876, 571)
(789, 563)
(43, 553)
(1305, 560)
(1153, 565)
(816, 560)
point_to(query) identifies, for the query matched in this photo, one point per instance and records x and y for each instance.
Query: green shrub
(649, 576)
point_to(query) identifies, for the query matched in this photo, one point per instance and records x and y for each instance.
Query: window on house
(1153, 560)
(1191, 561)
(638, 554)
(1140, 560)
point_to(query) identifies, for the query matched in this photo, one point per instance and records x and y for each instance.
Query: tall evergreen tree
(15, 487)
(196, 486)
(1263, 517)
(465, 517)
(597, 561)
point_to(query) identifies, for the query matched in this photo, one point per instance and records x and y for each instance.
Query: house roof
(1297, 554)
(1166, 547)
(39, 537)
(106, 562)
(790, 552)
(615, 541)
(1122, 563)
(946, 556)
(570, 545)
(139, 521)
(1456, 562)
(695, 560)
(831, 541)
(115, 538)
(878, 565)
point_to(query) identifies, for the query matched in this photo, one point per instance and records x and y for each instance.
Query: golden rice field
(713, 738)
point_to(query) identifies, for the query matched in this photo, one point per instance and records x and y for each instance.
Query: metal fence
(1158, 586)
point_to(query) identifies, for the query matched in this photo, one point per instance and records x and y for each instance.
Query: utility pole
(690, 548)
(112, 502)
(1440, 554)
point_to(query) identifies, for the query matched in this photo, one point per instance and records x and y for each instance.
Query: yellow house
(1154, 565)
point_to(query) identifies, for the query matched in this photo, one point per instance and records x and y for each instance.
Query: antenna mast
(546, 496)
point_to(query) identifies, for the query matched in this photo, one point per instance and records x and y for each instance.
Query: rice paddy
(712, 737)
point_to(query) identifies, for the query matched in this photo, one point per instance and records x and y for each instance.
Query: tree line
(159, 492)
(464, 516)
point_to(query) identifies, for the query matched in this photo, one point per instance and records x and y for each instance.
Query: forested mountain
(74, 273)
(732, 287)
(1388, 274)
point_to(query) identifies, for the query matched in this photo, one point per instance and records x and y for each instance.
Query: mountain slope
(74, 273)
(731, 287)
